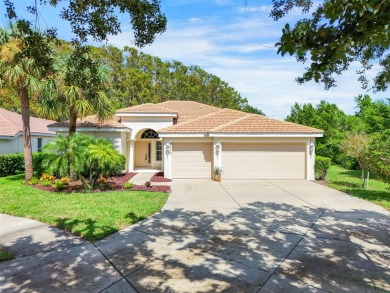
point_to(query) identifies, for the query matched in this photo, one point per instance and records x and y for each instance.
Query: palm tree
(78, 88)
(20, 72)
(103, 159)
(66, 155)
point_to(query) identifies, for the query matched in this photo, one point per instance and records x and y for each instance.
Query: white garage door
(191, 160)
(263, 161)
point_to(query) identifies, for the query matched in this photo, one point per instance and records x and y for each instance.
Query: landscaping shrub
(322, 165)
(34, 181)
(11, 164)
(128, 185)
(37, 164)
(59, 185)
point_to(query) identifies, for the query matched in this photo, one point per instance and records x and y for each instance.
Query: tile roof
(11, 124)
(227, 121)
(148, 108)
(92, 122)
(188, 109)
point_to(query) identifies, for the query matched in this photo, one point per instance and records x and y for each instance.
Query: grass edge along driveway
(92, 216)
(349, 181)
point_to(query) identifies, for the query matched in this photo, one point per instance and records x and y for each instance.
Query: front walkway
(238, 236)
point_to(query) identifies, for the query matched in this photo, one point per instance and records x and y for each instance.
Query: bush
(59, 185)
(46, 183)
(11, 164)
(322, 165)
(37, 164)
(47, 177)
(34, 181)
(128, 185)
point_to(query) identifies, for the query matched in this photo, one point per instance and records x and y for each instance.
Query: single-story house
(11, 132)
(186, 139)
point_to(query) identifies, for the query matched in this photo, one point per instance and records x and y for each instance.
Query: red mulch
(113, 183)
(159, 177)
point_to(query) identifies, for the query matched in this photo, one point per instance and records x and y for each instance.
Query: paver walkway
(237, 236)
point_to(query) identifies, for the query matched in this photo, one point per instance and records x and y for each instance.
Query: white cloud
(240, 50)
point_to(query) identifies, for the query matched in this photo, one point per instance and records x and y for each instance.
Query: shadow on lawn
(185, 251)
(89, 228)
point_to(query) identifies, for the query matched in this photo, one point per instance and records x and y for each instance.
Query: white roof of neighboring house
(11, 124)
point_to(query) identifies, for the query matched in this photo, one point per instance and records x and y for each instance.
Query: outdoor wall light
(168, 149)
(311, 148)
(217, 149)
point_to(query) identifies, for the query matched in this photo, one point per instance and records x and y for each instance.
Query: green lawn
(5, 255)
(349, 181)
(90, 215)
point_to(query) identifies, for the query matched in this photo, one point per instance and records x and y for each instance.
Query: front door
(142, 154)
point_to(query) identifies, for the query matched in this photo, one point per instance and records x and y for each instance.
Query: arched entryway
(148, 150)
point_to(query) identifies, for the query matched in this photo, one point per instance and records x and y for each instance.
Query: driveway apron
(233, 236)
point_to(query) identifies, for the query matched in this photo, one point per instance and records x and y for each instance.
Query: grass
(5, 255)
(92, 216)
(349, 181)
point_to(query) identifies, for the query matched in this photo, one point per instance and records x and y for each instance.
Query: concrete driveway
(237, 236)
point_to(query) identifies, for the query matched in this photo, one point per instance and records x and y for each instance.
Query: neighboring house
(187, 139)
(11, 132)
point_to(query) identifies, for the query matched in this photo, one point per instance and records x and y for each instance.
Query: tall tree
(92, 18)
(23, 63)
(79, 88)
(338, 33)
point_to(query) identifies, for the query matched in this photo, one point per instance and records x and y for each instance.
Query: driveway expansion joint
(119, 272)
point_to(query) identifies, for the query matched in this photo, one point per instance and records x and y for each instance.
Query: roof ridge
(247, 115)
(153, 104)
(192, 120)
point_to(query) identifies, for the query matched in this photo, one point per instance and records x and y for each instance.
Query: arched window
(149, 133)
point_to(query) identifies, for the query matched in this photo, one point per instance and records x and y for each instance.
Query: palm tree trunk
(72, 120)
(25, 105)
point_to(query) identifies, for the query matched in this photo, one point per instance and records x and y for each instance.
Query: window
(149, 133)
(158, 150)
(39, 148)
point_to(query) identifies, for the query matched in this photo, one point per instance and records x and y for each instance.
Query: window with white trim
(39, 144)
(159, 148)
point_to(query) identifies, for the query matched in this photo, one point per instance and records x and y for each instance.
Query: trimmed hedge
(322, 165)
(11, 164)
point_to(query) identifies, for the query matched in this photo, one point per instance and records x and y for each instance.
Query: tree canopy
(358, 140)
(98, 19)
(337, 34)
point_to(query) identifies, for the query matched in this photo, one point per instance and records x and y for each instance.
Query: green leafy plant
(33, 181)
(66, 156)
(11, 164)
(103, 159)
(217, 171)
(59, 185)
(322, 165)
(46, 183)
(128, 185)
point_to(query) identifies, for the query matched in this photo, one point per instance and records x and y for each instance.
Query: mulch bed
(113, 183)
(159, 177)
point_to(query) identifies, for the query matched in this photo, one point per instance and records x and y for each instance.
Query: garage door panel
(191, 160)
(263, 161)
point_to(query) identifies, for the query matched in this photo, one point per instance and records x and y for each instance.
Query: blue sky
(234, 39)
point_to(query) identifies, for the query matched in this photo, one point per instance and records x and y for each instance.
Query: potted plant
(217, 173)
